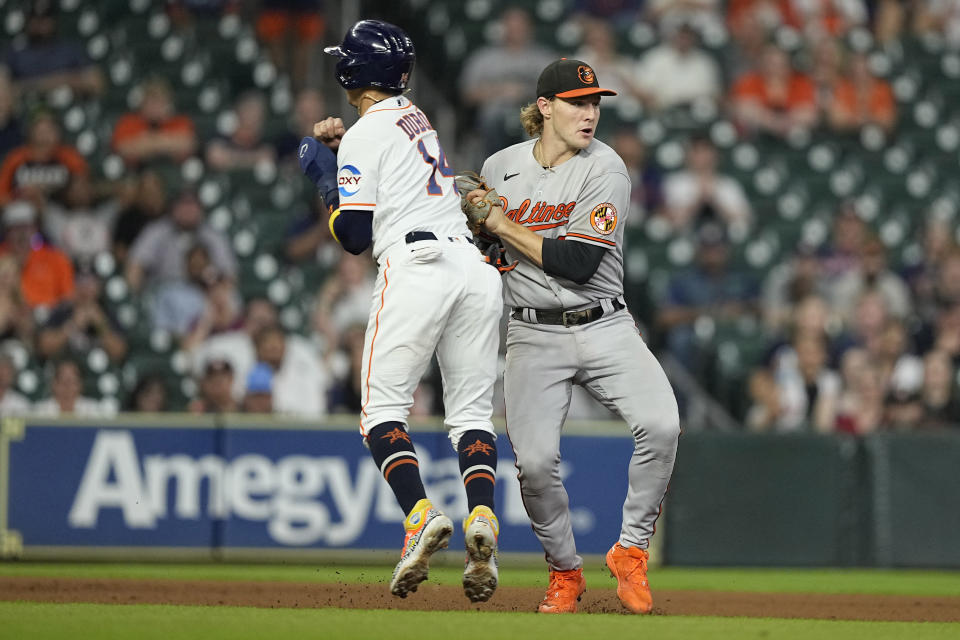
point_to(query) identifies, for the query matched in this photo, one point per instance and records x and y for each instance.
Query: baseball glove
(476, 212)
(496, 256)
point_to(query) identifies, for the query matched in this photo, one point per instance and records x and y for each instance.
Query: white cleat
(428, 531)
(481, 529)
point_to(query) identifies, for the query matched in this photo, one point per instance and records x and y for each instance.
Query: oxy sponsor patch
(348, 180)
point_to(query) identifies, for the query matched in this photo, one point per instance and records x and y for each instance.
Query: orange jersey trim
(347, 205)
(541, 227)
(373, 340)
(585, 237)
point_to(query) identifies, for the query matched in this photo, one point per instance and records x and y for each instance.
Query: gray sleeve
(148, 248)
(220, 252)
(601, 207)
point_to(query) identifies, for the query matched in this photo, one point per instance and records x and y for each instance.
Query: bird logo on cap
(585, 74)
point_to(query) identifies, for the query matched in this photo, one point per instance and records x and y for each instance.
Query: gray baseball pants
(611, 361)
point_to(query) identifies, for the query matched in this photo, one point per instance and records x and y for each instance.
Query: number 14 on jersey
(439, 163)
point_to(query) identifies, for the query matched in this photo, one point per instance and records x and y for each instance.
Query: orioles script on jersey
(541, 216)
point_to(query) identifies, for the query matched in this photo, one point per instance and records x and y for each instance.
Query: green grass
(108, 622)
(874, 581)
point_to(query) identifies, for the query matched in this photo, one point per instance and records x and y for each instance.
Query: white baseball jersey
(585, 199)
(431, 295)
(390, 162)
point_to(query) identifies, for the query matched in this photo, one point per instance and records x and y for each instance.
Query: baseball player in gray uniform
(563, 199)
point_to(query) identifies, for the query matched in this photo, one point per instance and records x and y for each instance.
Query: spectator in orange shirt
(860, 99)
(155, 131)
(774, 99)
(46, 274)
(43, 167)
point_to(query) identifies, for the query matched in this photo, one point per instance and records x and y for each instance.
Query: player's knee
(659, 430)
(537, 471)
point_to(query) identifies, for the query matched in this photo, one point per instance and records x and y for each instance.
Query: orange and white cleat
(564, 592)
(428, 531)
(480, 574)
(629, 566)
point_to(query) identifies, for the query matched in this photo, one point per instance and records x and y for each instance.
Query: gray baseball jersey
(585, 199)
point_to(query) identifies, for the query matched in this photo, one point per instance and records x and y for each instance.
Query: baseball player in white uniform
(390, 185)
(563, 199)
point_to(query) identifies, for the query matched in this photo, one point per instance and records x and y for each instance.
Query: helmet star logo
(396, 434)
(478, 447)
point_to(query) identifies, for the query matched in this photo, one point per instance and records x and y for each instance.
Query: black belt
(417, 236)
(566, 318)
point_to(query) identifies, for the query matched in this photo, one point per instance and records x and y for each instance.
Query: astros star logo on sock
(478, 447)
(396, 434)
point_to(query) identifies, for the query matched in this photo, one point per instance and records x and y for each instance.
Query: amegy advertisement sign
(268, 487)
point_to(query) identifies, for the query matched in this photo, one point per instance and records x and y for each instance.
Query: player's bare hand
(329, 131)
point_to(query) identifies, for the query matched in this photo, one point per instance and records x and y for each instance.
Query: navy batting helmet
(374, 54)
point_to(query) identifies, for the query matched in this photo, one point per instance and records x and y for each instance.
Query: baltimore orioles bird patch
(603, 218)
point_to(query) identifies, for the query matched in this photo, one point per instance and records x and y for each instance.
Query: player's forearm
(517, 236)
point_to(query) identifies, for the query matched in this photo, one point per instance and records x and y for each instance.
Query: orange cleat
(564, 592)
(629, 566)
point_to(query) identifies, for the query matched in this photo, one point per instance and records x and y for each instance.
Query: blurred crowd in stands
(848, 343)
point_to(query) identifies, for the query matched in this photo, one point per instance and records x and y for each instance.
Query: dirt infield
(444, 597)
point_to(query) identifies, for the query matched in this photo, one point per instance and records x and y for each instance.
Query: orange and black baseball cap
(569, 78)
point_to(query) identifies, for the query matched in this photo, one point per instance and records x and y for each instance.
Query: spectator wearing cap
(216, 389)
(259, 395)
(246, 147)
(78, 325)
(155, 131)
(12, 403)
(498, 80)
(159, 253)
(774, 99)
(710, 289)
(41, 169)
(44, 61)
(678, 72)
(66, 386)
(46, 273)
(700, 193)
